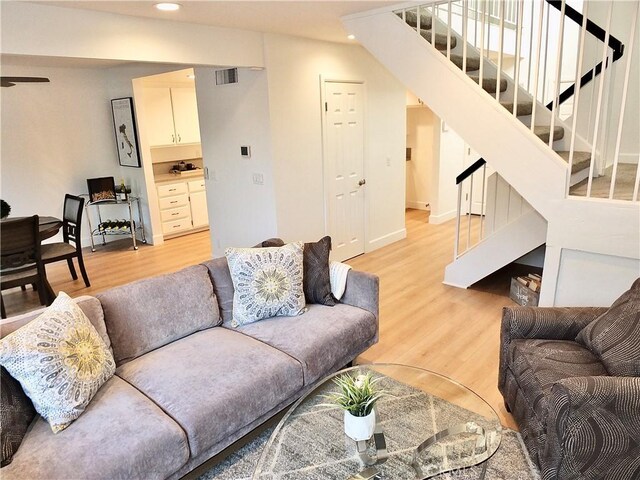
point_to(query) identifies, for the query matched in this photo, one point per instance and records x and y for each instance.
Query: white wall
(241, 213)
(294, 67)
(422, 126)
(451, 164)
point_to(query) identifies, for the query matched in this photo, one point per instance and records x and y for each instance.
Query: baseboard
(631, 158)
(451, 284)
(417, 205)
(386, 240)
(443, 217)
(157, 239)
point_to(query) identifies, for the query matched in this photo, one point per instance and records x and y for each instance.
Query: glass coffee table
(428, 425)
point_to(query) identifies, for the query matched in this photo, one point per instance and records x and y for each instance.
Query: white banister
(623, 106)
(605, 47)
(554, 105)
(576, 98)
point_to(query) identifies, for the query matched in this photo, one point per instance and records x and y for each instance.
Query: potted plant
(5, 209)
(357, 395)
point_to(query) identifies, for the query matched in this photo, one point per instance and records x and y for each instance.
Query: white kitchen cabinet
(198, 200)
(183, 206)
(185, 115)
(172, 116)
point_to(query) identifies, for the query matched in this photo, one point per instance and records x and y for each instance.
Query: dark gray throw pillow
(614, 337)
(16, 414)
(317, 283)
(316, 280)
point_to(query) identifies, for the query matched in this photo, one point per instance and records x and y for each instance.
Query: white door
(185, 115)
(477, 193)
(159, 116)
(344, 168)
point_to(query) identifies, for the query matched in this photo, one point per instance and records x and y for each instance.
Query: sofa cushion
(222, 286)
(60, 361)
(614, 337)
(121, 435)
(89, 305)
(267, 282)
(214, 382)
(16, 414)
(150, 313)
(538, 364)
(321, 339)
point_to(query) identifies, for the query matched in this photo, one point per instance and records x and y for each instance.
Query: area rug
(510, 462)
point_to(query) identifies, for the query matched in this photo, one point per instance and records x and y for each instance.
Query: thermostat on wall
(245, 152)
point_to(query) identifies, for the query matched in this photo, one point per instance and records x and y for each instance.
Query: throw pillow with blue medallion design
(267, 282)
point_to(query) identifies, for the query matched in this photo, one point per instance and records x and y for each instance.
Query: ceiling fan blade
(11, 81)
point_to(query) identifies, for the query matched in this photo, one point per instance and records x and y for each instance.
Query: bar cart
(105, 230)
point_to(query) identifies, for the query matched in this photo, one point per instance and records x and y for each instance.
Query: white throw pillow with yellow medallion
(60, 361)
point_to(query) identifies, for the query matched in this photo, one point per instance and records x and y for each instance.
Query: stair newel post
(536, 69)
(623, 106)
(457, 242)
(500, 50)
(482, 202)
(516, 79)
(605, 47)
(469, 212)
(576, 96)
(449, 30)
(465, 21)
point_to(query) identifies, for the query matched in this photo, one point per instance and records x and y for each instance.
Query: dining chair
(71, 246)
(20, 258)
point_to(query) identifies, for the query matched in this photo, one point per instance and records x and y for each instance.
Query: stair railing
(475, 20)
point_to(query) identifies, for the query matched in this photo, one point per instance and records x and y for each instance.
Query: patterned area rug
(510, 462)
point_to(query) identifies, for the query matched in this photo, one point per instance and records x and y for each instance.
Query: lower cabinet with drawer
(183, 206)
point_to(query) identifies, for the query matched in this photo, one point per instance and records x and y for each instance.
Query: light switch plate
(245, 151)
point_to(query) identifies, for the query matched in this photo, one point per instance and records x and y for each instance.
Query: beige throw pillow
(267, 282)
(60, 361)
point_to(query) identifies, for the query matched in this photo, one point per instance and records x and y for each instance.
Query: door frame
(324, 79)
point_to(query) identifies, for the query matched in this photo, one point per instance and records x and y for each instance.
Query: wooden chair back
(19, 244)
(72, 219)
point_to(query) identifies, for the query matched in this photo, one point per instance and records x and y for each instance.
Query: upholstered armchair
(571, 379)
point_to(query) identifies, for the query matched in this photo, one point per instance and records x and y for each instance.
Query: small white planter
(359, 428)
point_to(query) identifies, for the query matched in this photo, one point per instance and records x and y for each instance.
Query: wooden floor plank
(423, 322)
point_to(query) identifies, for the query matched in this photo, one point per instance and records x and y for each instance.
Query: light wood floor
(423, 323)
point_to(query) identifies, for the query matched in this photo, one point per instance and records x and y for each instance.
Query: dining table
(47, 228)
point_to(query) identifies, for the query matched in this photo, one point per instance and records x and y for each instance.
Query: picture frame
(101, 189)
(126, 133)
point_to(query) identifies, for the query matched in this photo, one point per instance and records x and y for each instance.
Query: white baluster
(469, 211)
(482, 23)
(605, 47)
(455, 246)
(500, 49)
(530, 48)
(516, 79)
(537, 67)
(449, 30)
(554, 105)
(484, 183)
(465, 21)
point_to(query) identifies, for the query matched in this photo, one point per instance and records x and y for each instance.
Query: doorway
(344, 167)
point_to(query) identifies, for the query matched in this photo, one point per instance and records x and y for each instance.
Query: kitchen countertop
(173, 177)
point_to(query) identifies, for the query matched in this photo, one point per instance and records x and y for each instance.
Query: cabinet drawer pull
(174, 214)
(172, 189)
(173, 201)
(177, 226)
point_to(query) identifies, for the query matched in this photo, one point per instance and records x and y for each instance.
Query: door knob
(362, 182)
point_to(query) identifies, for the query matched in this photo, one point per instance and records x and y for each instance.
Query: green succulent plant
(5, 209)
(356, 394)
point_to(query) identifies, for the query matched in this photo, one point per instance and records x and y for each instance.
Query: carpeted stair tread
(473, 63)
(581, 160)
(524, 108)
(489, 83)
(543, 133)
(412, 19)
(441, 39)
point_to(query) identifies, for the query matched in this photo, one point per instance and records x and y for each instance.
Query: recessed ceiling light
(167, 7)
(351, 36)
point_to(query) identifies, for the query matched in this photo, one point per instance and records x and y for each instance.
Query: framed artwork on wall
(124, 126)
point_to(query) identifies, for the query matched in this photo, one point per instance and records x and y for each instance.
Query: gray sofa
(187, 385)
(571, 378)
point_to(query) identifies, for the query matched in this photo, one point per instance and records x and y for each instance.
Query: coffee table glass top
(429, 424)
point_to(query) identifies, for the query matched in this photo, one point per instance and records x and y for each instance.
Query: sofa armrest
(363, 291)
(553, 323)
(593, 430)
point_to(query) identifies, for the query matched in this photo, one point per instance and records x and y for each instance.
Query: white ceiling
(311, 19)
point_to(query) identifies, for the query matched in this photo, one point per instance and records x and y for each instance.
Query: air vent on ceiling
(223, 77)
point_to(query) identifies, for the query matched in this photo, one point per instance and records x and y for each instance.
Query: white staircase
(509, 139)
